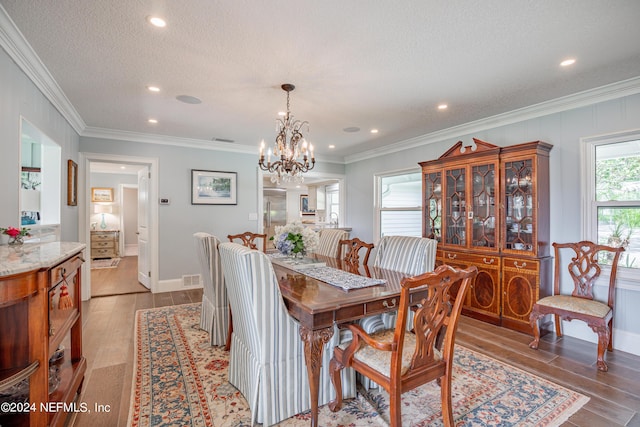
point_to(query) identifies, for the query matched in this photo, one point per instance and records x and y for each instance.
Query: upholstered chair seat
(577, 305)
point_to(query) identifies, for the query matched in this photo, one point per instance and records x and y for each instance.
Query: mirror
(40, 160)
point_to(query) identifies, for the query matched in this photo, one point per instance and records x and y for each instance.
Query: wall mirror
(40, 182)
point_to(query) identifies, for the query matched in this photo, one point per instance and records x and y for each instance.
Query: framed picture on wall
(304, 205)
(213, 187)
(72, 183)
(100, 194)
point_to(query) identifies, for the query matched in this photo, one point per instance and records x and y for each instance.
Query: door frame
(84, 213)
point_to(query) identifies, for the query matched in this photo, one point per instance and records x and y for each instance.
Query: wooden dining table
(318, 306)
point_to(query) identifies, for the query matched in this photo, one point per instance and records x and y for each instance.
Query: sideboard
(41, 359)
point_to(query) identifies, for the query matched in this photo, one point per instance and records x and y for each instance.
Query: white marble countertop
(33, 256)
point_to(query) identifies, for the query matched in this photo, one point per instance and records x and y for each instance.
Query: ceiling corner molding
(147, 138)
(565, 103)
(17, 47)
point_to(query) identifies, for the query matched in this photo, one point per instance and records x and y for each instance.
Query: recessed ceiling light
(188, 99)
(332, 146)
(374, 130)
(153, 121)
(567, 62)
(443, 107)
(123, 167)
(157, 22)
(282, 113)
(153, 88)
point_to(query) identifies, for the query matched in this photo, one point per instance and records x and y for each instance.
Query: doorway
(123, 179)
(114, 244)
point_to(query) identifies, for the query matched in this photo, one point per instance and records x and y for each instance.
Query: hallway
(120, 280)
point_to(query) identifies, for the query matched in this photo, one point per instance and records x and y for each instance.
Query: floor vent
(191, 280)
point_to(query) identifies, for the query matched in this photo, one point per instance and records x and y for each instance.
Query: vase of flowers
(295, 239)
(16, 236)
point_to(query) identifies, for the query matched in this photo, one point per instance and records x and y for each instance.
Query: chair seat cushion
(381, 360)
(577, 305)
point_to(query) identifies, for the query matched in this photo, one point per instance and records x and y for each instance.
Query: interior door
(144, 264)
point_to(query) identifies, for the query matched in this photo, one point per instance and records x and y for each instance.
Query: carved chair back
(250, 240)
(352, 252)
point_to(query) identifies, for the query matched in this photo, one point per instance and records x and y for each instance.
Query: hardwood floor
(615, 395)
(116, 281)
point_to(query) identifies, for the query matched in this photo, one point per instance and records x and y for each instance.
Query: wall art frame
(214, 187)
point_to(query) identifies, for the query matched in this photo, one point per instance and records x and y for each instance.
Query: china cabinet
(488, 206)
(42, 365)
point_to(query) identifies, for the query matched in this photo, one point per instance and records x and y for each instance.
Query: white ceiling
(357, 63)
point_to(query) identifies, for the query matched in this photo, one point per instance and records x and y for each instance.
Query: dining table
(318, 306)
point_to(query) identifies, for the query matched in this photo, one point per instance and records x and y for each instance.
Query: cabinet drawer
(523, 265)
(382, 306)
(98, 237)
(66, 269)
(98, 245)
(104, 253)
(480, 260)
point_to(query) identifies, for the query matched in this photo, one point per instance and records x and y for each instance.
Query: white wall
(20, 97)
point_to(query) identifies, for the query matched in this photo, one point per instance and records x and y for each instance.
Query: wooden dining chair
(267, 362)
(250, 240)
(351, 249)
(584, 270)
(214, 314)
(401, 360)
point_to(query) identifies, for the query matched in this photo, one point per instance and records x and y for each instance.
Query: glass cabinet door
(455, 207)
(433, 203)
(519, 202)
(483, 206)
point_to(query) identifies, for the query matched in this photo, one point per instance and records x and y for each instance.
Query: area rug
(180, 380)
(105, 263)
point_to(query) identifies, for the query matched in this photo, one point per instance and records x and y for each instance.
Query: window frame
(627, 278)
(377, 185)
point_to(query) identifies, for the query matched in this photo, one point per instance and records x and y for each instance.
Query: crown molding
(569, 102)
(19, 49)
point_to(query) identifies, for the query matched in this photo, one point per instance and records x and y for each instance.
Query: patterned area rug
(180, 380)
(105, 263)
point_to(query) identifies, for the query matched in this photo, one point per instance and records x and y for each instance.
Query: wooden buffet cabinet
(41, 360)
(488, 206)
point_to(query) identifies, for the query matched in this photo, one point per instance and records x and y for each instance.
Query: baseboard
(173, 285)
(626, 341)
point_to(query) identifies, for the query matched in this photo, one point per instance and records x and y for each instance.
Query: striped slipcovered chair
(409, 255)
(328, 241)
(214, 315)
(267, 362)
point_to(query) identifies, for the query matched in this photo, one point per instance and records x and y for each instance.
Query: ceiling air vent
(222, 140)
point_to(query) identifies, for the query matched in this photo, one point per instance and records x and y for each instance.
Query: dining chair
(400, 360)
(250, 240)
(267, 362)
(409, 255)
(214, 314)
(328, 241)
(351, 249)
(584, 270)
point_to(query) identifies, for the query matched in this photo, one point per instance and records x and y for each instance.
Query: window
(613, 215)
(399, 204)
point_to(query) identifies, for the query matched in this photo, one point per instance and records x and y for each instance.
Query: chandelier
(293, 155)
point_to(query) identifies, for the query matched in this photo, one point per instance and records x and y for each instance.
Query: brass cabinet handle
(491, 261)
(452, 256)
(386, 305)
(524, 264)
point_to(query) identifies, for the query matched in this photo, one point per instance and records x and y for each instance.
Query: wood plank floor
(116, 281)
(615, 395)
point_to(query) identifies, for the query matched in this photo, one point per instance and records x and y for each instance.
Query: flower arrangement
(295, 239)
(16, 235)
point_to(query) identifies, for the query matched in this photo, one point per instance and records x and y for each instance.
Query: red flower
(13, 232)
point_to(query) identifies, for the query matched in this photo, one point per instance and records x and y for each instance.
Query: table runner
(340, 278)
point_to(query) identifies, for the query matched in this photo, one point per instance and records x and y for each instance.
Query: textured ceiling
(358, 63)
